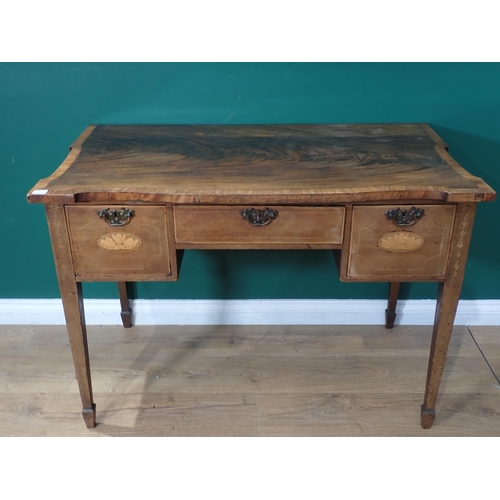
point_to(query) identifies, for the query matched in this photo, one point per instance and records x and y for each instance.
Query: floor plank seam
(256, 385)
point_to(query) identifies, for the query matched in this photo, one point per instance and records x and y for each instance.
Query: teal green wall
(44, 107)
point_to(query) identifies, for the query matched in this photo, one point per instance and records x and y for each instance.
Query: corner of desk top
(433, 135)
(40, 193)
(82, 137)
(43, 196)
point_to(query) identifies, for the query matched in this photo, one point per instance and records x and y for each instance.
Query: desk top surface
(286, 164)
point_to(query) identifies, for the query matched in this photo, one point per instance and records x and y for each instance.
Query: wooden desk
(387, 199)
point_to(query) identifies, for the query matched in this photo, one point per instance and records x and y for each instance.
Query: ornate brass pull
(116, 217)
(405, 217)
(258, 217)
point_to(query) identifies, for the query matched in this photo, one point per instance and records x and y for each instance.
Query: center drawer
(226, 227)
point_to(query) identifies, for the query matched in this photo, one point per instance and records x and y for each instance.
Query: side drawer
(226, 227)
(138, 248)
(381, 249)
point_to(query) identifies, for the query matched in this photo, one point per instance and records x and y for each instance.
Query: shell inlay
(400, 241)
(119, 241)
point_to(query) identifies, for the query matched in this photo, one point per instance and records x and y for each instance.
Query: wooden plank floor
(247, 381)
(487, 339)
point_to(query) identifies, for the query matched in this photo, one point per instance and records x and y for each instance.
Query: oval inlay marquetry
(119, 241)
(400, 241)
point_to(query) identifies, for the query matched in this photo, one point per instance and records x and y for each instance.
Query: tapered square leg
(72, 299)
(446, 308)
(427, 417)
(126, 313)
(390, 312)
(89, 416)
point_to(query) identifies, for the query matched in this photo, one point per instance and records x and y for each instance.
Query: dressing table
(387, 199)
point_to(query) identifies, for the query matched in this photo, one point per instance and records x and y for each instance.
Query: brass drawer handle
(405, 217)
(116, 217)
(258, 217)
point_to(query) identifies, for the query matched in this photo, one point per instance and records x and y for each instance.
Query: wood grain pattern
(347, 414)
(243, 381)
(71, 294)
(446, 307)
(41, 185)
(92, 241)
(224, 227)
(369, 259)
(263, 164)
(331, 183)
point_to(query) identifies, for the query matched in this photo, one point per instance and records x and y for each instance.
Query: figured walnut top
(285, 164)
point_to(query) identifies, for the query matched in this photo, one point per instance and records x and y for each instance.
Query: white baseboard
(247, 312)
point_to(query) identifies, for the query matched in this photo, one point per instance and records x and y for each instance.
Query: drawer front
(381, 249)
(226, 227)
(138, 247)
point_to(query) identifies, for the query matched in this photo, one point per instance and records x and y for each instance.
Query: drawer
(254, 227)
(381, 249)
(138, 247)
